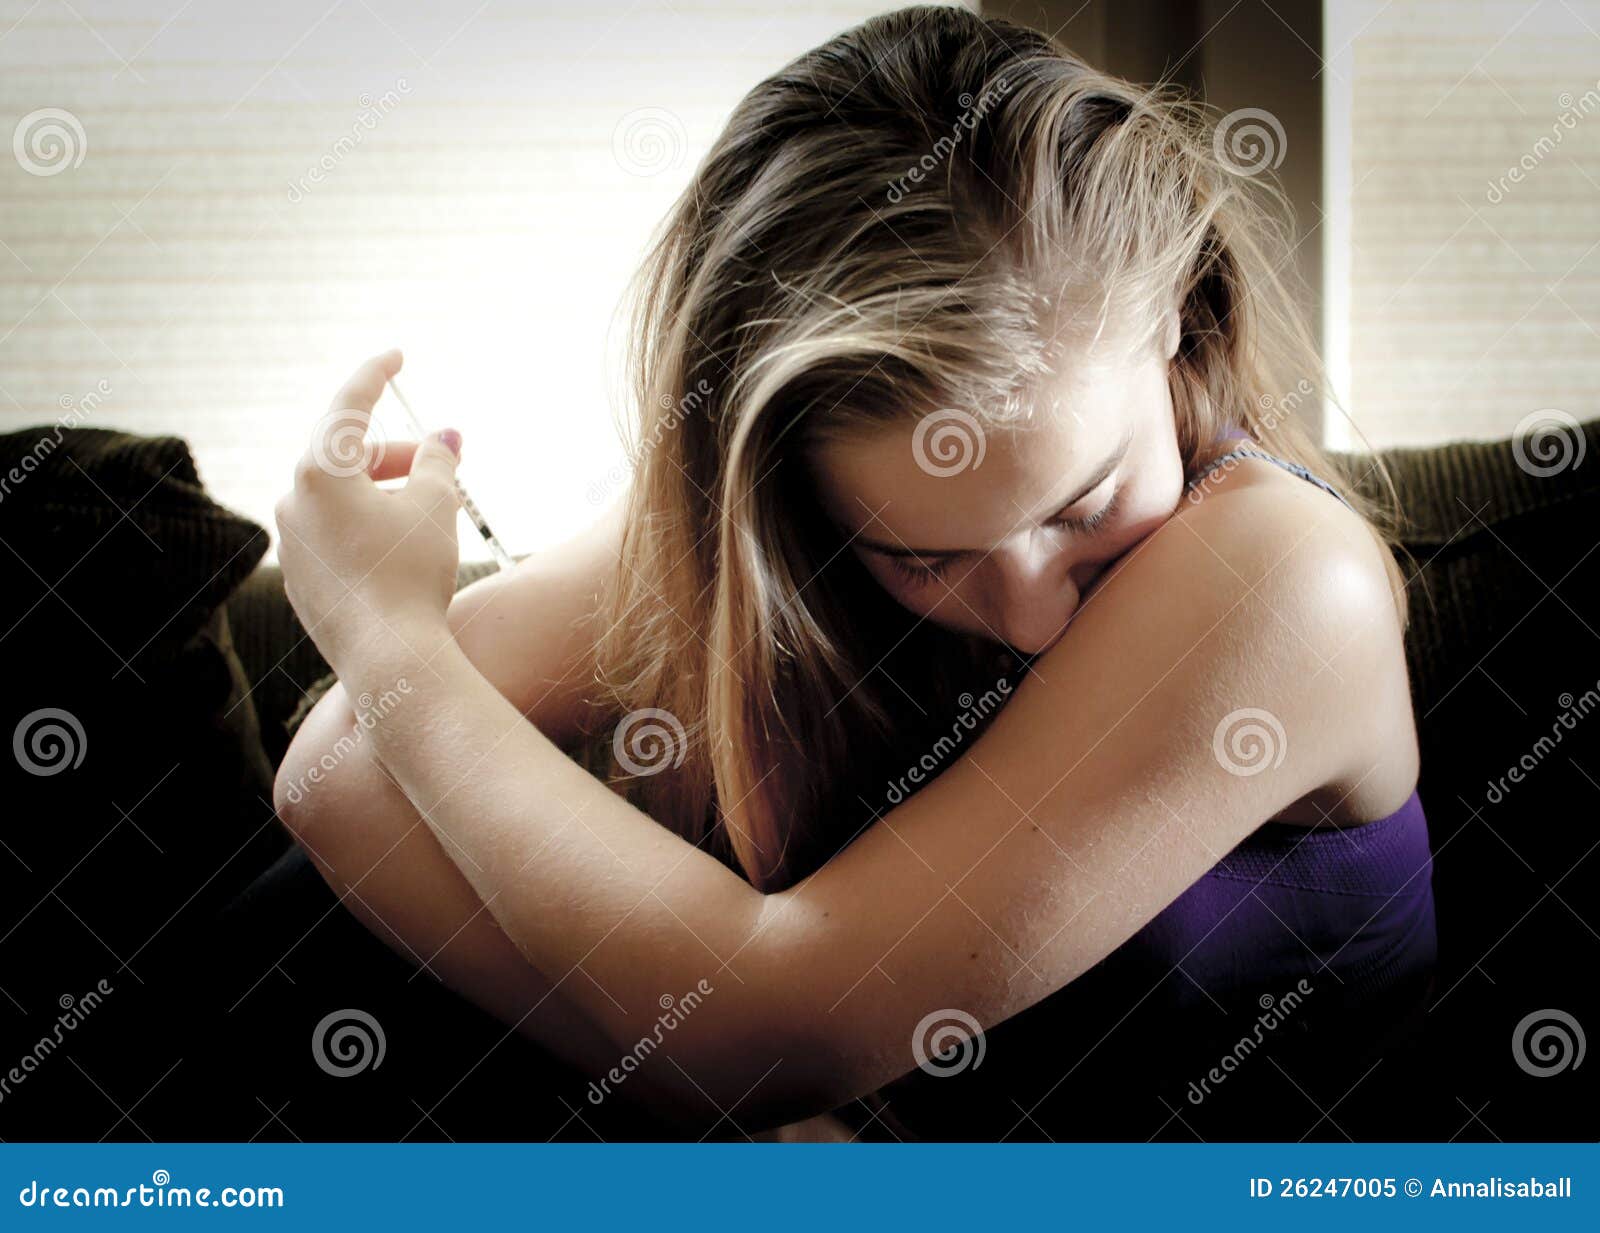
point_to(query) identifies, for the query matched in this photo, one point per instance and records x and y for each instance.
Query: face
(1003, 532)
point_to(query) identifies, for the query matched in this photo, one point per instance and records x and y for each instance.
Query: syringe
(497, 550)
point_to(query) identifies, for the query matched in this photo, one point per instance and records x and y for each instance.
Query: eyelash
(923, 574)
(1095, 519)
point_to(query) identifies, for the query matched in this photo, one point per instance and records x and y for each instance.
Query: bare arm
(1094, 800)
(531, 633)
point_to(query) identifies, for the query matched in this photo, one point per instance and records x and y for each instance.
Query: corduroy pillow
(136, 794)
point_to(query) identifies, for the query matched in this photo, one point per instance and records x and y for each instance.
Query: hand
(370, 572)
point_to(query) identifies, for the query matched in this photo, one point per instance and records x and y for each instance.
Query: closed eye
(921, 573)
(1086, 524)
(917, 573)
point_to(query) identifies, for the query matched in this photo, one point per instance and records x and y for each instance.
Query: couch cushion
(137, 795)
(1504, 654)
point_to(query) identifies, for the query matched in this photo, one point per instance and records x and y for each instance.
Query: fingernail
(452, 441)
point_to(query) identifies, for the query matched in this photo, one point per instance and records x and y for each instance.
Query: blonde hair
(913, 215)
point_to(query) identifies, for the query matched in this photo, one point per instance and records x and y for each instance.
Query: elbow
(294, 795)
(306, 790)
(288, 793)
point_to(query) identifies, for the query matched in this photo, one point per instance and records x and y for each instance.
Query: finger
(365, 386)
(395, 461)
(433, 466)
(339, 447)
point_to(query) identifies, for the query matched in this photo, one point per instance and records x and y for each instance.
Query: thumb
(433, 469)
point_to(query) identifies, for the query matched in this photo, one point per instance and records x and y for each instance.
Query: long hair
(913, 215)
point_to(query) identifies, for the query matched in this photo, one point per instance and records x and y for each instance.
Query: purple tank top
(1315, 945)
(1359, 898)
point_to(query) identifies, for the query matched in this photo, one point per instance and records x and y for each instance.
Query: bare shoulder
(1322, 578)
(1298, 550)
(1259, 516)
(532, 630)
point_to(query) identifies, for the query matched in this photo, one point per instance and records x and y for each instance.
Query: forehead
(944, 479)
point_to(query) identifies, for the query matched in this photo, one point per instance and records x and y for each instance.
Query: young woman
(970, 654)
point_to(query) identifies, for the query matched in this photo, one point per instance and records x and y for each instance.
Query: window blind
(1464, 228)
(211, 213)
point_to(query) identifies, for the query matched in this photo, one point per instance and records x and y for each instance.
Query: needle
(497, 550)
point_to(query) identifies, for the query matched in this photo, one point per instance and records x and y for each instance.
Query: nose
(1036, 594)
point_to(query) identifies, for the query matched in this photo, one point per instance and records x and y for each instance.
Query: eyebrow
(1093, 482)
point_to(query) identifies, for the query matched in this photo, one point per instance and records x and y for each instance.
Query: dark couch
(1504, 652)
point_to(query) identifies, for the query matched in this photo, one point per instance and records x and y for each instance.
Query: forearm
(389, 870)
(620, 911)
